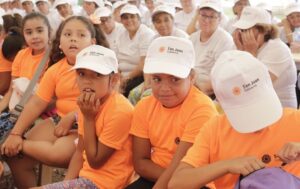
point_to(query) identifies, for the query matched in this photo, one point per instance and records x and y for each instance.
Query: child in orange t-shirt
(12, 44)
(36, 30)
(50, 141)
(103, 156)
(165, 124)
(249, 136)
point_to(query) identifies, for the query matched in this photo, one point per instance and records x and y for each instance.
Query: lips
(88, 90)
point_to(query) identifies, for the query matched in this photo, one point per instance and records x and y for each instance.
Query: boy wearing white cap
(103, 158)
(165, 124)
(210, 41)
(248, 136)
(28, 6)
(110, 28)
(257, 35)
(44, 8)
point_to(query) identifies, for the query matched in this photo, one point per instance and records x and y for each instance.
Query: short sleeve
(46, 87)
(16, 65)
(139, 126)
(145, 40)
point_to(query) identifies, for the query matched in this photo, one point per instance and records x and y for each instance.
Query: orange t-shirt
(165, 127)
(5, 65)
(112, 129)
(25, 64)
(217, 141)
(60, 82)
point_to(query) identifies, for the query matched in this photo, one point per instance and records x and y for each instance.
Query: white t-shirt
(176, 33)
(113, 36)
(182, 19)
(278, 58)
(129, 51)
(208, 52)
(54, 20)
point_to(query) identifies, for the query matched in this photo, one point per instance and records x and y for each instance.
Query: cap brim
(265, 111)
(162, 67)
(99, 68)
(243, 24)
(217, 9)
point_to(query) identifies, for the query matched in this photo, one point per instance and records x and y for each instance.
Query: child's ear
(193, 76)
(115, 79)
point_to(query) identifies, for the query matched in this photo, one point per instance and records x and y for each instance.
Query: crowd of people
(149, 94)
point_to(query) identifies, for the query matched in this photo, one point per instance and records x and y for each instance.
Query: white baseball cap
(102, 12)
(164, 8)
(22, 1)
(291, 8)
(41, 1)
(130, 9)
(243, 87)
(252, 16)
(100, 3)
(170, 55)
(61, 2)
(108, 3)
(98, 59)
(118, 4)
(213, 4)
(265, 6)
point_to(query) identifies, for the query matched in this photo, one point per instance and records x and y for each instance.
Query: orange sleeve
(116, 130)
(5, 65)
(197, 121)
(199, 153)
(139, 126)
(16, 65)
(46, 87)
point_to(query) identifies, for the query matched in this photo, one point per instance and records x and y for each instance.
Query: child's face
(27, 6)
(89, 7)
(208, 20)
(74, 37)
(294, 19)
(43, 7)
(131, 22)
(92, 82)
(64, 10)
(36, 34)
(163, 23)
(170, 90)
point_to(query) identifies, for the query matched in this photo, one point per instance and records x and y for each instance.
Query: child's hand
(244, 165)
(290, 152)
(64, 125)
(237, 38)
(88, 104)
(251, 43)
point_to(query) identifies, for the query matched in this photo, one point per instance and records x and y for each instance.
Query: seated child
(251, 133)
(103, 155)
(166, 123)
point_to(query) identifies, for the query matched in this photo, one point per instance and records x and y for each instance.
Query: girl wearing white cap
(28, 6)
(256, 34)
(237, 10)
(209, 42)
(132, 45)
(165, 124)
(291, 24)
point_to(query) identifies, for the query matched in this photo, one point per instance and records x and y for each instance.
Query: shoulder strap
(19, 107)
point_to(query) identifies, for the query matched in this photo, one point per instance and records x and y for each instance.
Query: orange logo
(162, 49)
(236, 91)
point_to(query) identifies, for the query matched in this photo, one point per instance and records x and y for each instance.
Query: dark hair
(12, 43)
(9, 21)
(36, 15)
(56, 54)
(155, 16)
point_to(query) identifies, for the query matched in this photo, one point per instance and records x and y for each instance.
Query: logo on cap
(162, 49)
(236, 91)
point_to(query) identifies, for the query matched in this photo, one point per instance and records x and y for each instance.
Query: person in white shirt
(183, 18)
(257, 35)
(90, 6)
(237, 10)
(110, 28)
(163, 21)
(132, 45)
(64, 8)
(150, 5)
(143, 10)
(4, 4)
(43, 7)
(209, 42)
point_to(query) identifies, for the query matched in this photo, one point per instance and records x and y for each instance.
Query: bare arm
(185, 175)
(142, 162)
(76, 161)
(163, 180)
(192, 25)
(5, 79)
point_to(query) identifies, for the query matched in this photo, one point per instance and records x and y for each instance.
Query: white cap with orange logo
(243, 86)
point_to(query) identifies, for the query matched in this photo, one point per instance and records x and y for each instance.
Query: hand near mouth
(88, 105)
